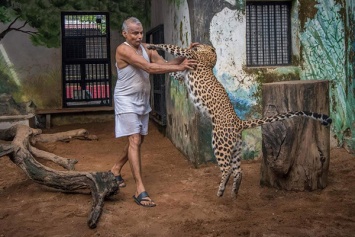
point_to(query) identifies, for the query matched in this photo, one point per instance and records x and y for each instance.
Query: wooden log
(66, 163)
(22, 153)
(295, 151)
(63, 136)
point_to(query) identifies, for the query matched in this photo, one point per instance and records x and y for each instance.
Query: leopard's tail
(324, 119)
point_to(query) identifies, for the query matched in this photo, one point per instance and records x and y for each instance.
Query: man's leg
(117, 167)
(121, 161)
(134, 156)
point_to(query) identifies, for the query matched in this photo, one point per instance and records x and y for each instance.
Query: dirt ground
(186, 199)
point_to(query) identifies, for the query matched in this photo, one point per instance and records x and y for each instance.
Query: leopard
(210, 97)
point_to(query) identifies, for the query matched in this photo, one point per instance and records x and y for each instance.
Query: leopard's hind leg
(223, 157)
(236, 162)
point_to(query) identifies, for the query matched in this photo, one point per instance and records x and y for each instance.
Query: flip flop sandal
(142, 198)
(120, 180)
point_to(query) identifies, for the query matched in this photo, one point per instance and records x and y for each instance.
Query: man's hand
(188, 64)
(193, 45)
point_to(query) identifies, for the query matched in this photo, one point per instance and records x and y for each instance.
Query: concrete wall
(29, 61)
(182, 117)
(328, 40)
(189, 130)
(322, 48)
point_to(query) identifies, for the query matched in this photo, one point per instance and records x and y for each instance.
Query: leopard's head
(206, 54)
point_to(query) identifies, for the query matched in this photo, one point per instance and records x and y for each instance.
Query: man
(134, 63)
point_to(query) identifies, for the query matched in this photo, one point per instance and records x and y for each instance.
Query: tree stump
(295, 151)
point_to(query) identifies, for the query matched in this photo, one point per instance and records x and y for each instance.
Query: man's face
(134, 34)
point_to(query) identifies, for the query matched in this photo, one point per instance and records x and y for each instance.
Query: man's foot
(120, 180)
(144, 200)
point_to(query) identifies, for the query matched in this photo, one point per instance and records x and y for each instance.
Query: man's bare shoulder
(122, 55)
(121, 48)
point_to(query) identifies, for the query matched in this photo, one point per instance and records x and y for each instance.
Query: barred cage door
(86, 66)
(156, 36)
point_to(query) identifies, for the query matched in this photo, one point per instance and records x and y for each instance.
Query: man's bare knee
(135, 140)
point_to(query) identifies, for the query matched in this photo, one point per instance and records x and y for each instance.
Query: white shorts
(131, 123)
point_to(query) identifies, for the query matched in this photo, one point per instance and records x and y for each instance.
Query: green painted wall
(327, 46)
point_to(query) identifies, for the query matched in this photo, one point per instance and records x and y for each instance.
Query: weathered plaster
(181, 113)
(228, 70)
(202, 12)
(227, 35)
(243, 85)
(325, 57)
(319, 51)
(349, 139)
(307, 10)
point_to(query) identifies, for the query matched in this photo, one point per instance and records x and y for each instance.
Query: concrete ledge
(7, 121)
(64, 111)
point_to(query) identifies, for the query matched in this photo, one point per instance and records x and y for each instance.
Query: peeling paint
(230, 49)
(307, 10)
(323, 47)
(181, 113)
(227, 34)
(324, 57)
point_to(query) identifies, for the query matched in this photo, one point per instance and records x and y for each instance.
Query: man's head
(132, 31)
(129, 21)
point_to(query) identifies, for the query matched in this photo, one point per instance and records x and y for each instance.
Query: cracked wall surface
(327, 47)
(322, 49)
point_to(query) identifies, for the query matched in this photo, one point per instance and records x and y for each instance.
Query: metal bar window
(86, 59)
(268, 33)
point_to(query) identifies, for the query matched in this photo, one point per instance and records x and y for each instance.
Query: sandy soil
(186, 199)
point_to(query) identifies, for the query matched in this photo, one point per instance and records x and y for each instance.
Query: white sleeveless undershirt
(132, 90)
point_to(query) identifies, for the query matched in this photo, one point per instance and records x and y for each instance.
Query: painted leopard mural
(208, 94)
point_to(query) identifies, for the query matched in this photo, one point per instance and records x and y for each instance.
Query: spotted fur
(208, 94)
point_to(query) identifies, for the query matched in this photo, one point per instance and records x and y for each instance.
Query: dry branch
(22, 153)
(62, 161)
(5, 148)
(63, 136)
